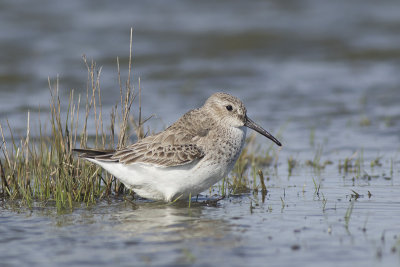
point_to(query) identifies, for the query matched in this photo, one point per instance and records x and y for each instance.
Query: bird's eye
(229, 107)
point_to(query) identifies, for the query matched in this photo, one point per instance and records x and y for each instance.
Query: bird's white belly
(168, 183)
(163, 183)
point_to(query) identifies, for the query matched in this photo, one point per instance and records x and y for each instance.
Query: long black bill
(252, 125)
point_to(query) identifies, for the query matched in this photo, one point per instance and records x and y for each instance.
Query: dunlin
(186, 158)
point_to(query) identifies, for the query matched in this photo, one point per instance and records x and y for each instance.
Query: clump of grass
(44, 169)
(352, 164)
(316, 162)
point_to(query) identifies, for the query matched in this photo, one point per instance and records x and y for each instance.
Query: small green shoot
(347, 216)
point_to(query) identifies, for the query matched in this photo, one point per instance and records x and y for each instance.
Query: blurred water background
(323, 75)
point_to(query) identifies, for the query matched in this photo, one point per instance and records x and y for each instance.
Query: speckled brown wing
(159, 154)
(177, 145)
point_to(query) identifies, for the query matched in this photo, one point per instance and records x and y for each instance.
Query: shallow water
(322, 75)
(157, 234)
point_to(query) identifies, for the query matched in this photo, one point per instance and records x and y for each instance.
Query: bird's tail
(89, 153)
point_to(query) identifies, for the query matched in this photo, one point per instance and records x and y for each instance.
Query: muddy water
(321, 75)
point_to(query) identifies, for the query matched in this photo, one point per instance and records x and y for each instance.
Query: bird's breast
(226, 144)
(238, 136)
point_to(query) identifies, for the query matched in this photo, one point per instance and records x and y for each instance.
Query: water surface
(322, 75)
